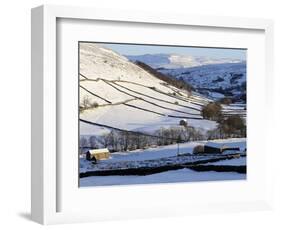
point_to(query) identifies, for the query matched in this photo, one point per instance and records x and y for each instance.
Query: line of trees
(87, 103)
(230, 127)
(212, 111)
(120, 141)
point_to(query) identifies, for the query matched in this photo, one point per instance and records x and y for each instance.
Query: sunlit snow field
(181, 175)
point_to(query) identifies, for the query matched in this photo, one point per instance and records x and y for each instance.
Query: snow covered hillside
(215, 81)
(215, 78)
(117, 93)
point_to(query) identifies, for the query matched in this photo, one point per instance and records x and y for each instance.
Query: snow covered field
(162, 151)
(164, 155)
(181, 175)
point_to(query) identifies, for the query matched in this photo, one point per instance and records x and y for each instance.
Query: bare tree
(86, 102)
(93, 142)
(83, 143)
(124, 141)
(104, 140)
(212, 111)
(233, 126)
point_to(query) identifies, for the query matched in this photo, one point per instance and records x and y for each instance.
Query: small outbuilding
(214, 148)
(97, 154)
(198, 149)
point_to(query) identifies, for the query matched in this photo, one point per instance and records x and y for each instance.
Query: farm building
(198, 149)
(212, 147)
(97, 154)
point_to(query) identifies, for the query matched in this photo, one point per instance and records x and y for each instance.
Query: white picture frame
(45, 162)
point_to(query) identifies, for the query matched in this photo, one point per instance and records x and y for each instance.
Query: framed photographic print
(140, 114)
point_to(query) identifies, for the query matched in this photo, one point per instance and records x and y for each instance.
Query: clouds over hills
(173, 61)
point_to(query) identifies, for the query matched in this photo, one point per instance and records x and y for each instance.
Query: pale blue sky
(127, 49)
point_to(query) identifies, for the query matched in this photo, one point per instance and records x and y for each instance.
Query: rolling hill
(214, 78)
(118, 93)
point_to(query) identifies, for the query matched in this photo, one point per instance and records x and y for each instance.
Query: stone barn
(207, 148)
(198, 149)
(97, 154)
(214, 148)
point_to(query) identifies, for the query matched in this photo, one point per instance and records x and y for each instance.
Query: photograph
(157, 113)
